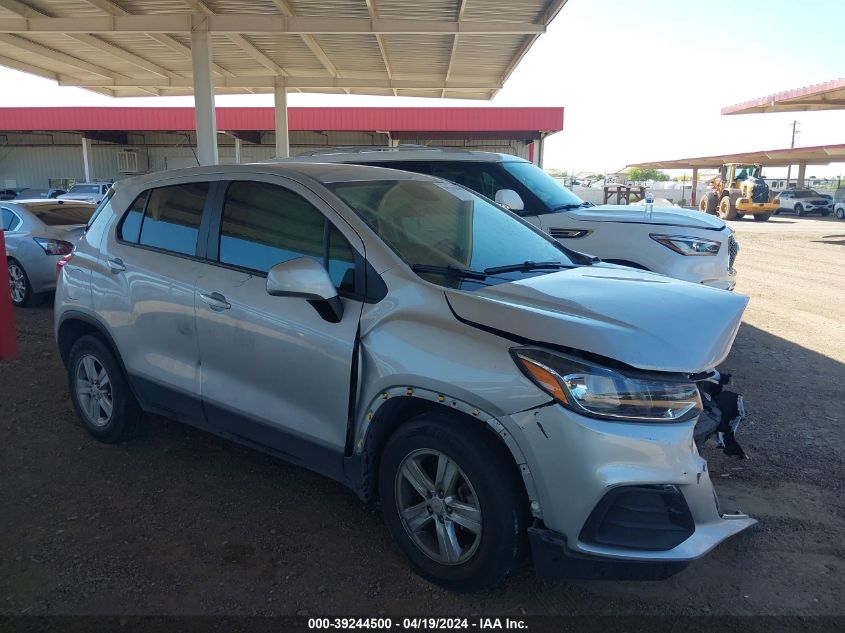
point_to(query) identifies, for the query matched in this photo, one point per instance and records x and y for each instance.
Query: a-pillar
(204, 98)
(802, 169)
(280, 96)
(86, 158)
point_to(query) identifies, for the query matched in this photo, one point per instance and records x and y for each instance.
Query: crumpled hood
(642, 319)
(634, 213)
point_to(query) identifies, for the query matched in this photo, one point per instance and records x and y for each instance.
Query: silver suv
(410, 339)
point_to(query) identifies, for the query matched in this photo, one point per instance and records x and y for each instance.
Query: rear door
(143, 286)
(272, 370)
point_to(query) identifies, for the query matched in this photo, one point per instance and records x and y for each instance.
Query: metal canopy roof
(423, 48)
(826, 96)
(820, 155)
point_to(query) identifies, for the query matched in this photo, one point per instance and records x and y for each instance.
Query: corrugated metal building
(41, 147)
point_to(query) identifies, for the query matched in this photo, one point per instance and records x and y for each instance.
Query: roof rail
(380, 148)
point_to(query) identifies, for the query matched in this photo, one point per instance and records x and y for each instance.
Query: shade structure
(124, 48)
(825, 96)
(819, 155)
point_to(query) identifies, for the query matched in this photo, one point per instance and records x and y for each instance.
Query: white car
(87, 192)
(803, 202)
(676, 242)
(839, 204)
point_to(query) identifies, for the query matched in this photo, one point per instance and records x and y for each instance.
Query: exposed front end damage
(633, 501)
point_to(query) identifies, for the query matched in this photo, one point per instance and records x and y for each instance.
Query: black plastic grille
(733, 250)
(655, 518)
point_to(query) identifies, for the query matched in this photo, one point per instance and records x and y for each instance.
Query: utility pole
(789, 168)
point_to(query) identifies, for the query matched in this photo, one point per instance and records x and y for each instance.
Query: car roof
(324, 173)
(394, 154)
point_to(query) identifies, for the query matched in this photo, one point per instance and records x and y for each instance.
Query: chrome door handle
(116, 265)
(215, 301)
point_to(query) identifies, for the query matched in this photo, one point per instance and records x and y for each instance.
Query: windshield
(62, 214)
(440, 224)
(550, 191)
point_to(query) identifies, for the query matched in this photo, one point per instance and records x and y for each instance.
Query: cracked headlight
(609, 394)
(688, 245)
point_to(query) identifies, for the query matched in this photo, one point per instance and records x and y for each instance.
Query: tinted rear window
(130, 229)
(172, 219)
(62, 214)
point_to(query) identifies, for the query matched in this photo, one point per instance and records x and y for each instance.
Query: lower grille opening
(653, 518)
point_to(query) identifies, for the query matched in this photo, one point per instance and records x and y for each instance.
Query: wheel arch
(394, 407)
(74, 325)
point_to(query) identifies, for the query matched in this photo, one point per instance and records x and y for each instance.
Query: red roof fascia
(318, 119)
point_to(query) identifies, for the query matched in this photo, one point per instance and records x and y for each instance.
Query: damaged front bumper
(618, 500)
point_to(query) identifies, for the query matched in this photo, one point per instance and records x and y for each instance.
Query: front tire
(762, 217)
(453, 503)
(100, 393)
(840, 213)
(727, 208)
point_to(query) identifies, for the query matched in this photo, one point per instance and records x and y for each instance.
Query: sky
(639, 80)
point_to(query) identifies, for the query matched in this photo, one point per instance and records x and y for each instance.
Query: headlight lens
(688, 245)
(605, 393)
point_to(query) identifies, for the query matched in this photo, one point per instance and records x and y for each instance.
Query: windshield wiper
(572, 205)
(449, 271)
(526, 267)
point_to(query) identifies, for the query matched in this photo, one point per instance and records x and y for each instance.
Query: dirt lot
(179, 522)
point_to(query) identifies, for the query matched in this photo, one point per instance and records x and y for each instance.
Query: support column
(204, 98)
(802, 169)
(238, 150)
(280, 95)
(541, 146)
(692, 195)
(86, 158)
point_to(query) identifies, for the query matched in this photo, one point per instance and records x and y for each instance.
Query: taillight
(54, 247)
(61, 263)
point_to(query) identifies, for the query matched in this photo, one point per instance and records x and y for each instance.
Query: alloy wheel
(438, 506)
(94, 391)
(17, 283)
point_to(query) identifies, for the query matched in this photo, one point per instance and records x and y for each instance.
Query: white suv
(803, 202)
(676, 242)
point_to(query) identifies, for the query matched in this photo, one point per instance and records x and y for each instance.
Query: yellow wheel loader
(737, 191)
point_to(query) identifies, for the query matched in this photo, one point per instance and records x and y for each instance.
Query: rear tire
(100, 393)
(448, 551)
(840, 213)
(19, 286)
(799, 210)
(762, 217)
(708, 204)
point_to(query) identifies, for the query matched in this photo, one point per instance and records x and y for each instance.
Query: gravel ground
(178, 522)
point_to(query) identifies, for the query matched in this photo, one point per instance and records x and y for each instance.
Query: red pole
(8, 340)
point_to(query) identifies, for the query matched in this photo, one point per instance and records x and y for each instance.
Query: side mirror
(305, 277)
(510, 199)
